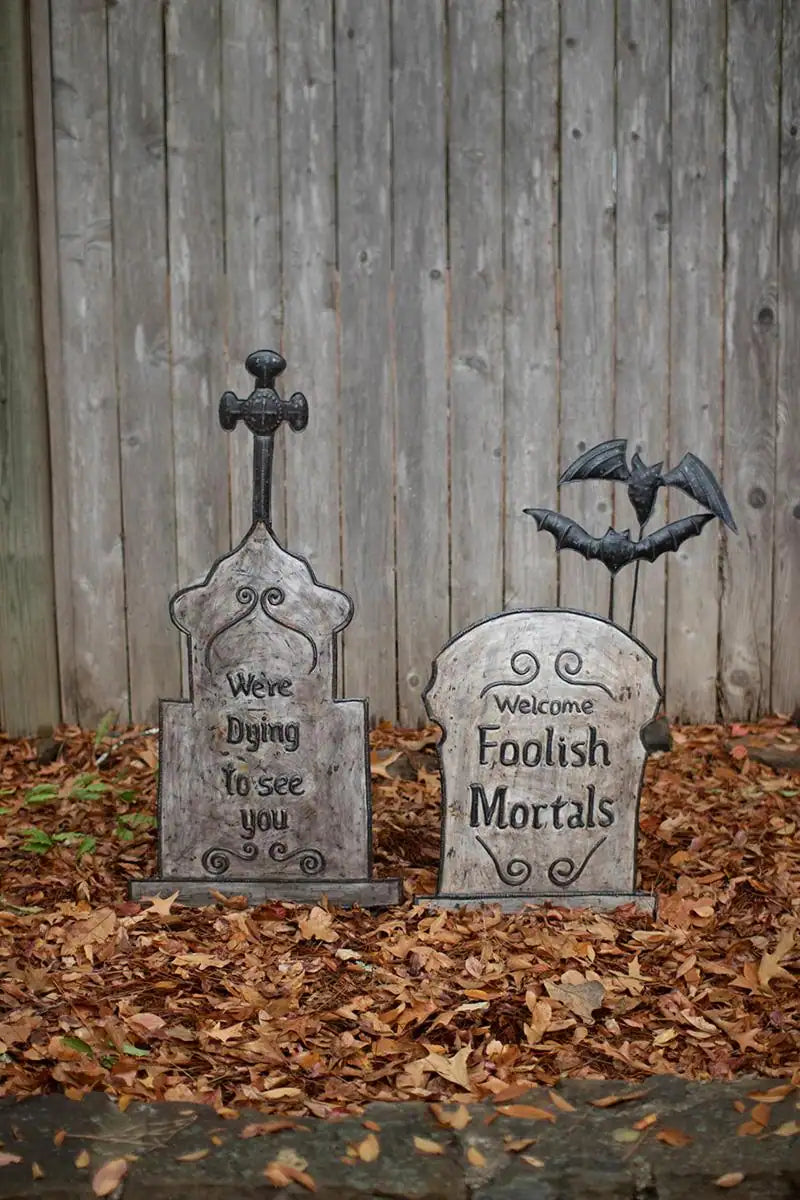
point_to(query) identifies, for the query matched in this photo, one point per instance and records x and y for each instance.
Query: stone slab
(367, 893)
(542, 758)
(644, 902)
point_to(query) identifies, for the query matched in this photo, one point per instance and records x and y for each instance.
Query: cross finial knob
(264, 410)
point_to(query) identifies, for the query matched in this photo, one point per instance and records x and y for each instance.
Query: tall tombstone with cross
(264, 773)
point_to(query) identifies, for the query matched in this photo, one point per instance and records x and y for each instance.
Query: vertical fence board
(194, 165)
(476, 272)
(587, 276)
(308, 208)
(87, 320)
(42, 81)
(29, 694)
(696, 336)
(531, 267)
(420, 350)
(750, 352)
(643, 253)
(363, 147)
(785, 642)
(252, 176)
(141, 282)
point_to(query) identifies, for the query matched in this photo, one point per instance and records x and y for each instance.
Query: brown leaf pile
(309, 1009)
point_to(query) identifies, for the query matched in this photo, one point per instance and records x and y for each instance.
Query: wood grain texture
(252, 174)
(643, 258)
(786, 587)
(49, 299)
(530, 221)
(587, 276)
(194, 165)
(751, 324)
(363, 146)
(141, 286)
(308, 239)
(476, 345)
(696, 343)
(29, 692)
(81, 114)
(420, 345)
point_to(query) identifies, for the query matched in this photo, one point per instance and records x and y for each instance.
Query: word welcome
(258, 733)
(554, 751)
(532, 704)
(238, 783)
(583, 815)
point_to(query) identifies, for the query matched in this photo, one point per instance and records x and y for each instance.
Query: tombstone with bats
(544, 713)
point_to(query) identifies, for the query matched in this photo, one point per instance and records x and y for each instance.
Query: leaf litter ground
(297, 1009)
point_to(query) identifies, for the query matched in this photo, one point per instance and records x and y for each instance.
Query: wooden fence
(485, 234)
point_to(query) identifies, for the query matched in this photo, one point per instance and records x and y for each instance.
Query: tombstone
(264, 773)
(542, 760)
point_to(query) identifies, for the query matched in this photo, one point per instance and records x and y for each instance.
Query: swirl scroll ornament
(516, 872)
(311, 861)
(246, 595)
(274, 596)
(525, 674)
(562, 872)
(568, 670)
(217, 860)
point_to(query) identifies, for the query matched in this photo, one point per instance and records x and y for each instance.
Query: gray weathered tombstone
(264, 774)
(542, 760)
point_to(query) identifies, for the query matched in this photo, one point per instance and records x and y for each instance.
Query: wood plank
(531, 320)
(308, 239)
(79, 48)
(141, 286)
(642, 251)
(195, 225)
(587, 277)
(251, 148)
(363, 165)
(420, 348)
(785, 643)
(476, 327)
(41, 73)
(29, 694)
(696, 343)
(750, 353)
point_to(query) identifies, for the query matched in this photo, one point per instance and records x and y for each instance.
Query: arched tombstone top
(542, 759)
(261, 607)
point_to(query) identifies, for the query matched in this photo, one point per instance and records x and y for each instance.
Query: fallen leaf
(82, 1159)
(262, 1128)
(580, 998)
(760, 1114)
(625, 1135)
(474, 1157)
(318, 924)
(561, 1102)
(36, 1171)
(193, 1155)
(160, 904)
(369, 1149)
(514, 1145)
(788, 1129)
(646, 1122)
(673, 1137)
(531, 1161)
(529, 1112)
(774, 1094)
(769, 968)
(453, 1069)
(428, 1146)
(731, 1179)
(7, 1159)
(452, 1118)
(610, 1101)
(107, 1177)
(536, 1028)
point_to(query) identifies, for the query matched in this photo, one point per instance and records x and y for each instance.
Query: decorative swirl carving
(311, 861)
(562, 872)
(569, 670)
(516, 872)
(276, 595)
(526, 674)
(245, 595)
(217, 860)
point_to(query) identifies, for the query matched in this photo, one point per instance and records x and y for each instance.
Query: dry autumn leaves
(301, 1010)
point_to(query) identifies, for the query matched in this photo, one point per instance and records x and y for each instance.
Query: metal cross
(262, 412)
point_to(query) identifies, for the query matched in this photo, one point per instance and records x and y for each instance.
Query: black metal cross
(262, 412)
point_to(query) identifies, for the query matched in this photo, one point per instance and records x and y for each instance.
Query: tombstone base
(367, 893)
(645, 902)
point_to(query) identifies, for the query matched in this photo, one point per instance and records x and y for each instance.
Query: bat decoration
(614, 549)
(609, 461)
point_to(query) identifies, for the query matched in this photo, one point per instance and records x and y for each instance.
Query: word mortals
(553, 708)
(590, 814)
(250, 685)
(551, 751)
(258, 733)
(237, 783)
(262, 819)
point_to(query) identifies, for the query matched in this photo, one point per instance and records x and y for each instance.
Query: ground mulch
(297, 1009)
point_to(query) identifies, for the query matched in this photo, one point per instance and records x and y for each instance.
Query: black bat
(608, 461)
(614, 549)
